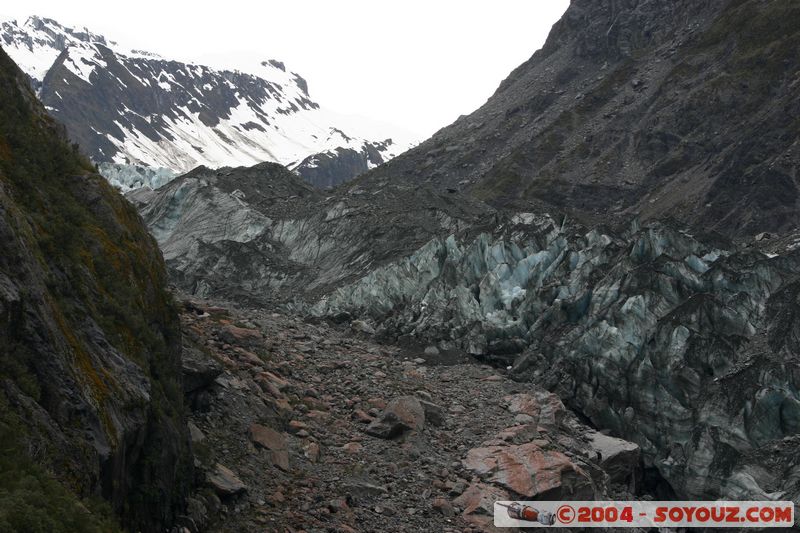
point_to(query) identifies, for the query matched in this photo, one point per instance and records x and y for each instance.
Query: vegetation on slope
(84, 265)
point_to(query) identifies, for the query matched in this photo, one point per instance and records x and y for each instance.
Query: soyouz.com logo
(644, 514)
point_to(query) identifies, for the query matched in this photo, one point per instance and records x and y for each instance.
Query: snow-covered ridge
(36, 43)
(134, 107)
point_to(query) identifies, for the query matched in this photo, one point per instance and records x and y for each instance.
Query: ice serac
(130, 177)
(262, 234)
(678, 343)
(221, 230)
(684, 348)
(131, 107)
(90, 343)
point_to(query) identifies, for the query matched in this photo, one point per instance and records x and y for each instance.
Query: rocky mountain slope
(676, 342)
(313, 427)
(681, 109)
(134, 107)
(90, 397)
(674, 334)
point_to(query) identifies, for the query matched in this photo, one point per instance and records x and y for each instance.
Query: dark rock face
(334, 167)
(681, 109)
(89, 338)
(150, 96)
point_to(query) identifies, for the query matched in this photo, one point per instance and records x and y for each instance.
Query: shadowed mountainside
(89, 339)
(683, 109)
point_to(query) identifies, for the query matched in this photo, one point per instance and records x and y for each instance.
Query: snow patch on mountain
(148, 111)
(36, 43)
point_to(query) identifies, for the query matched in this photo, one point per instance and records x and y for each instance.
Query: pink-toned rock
(312, 451)
(297, 425)
(267, 437)
(352, 447)
(377, 403)
(278, 381)
(519, 434)
(544, 408)
(480, 498)
(529, 470)
(248, 357)
(362, 417)
(317, 415)
(271, 384)
(523, 403)
(314, 403)
(242, 334)
(273, 441)
(283, 406)
(269, 388)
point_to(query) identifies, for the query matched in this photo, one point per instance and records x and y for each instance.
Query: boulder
(523, 404)
(224, 482)
(273, 441)
(401, 415)
(433, 413)
(431, 351)
(195, 434)
(363, 327)
(530, 470)
(618, 458)
(198, 368)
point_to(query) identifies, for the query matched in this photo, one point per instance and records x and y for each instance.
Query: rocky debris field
(301, 426)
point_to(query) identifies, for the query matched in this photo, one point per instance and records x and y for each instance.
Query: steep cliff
(683, 109)
(89, 338)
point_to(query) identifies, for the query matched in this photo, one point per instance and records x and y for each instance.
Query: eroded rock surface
(528, 470)
(90, 351)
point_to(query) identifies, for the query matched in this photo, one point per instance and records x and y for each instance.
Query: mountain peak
(135, 108)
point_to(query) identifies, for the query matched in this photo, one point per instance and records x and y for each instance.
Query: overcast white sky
(418, 64)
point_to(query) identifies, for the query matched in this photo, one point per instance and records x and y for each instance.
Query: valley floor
(290, 423)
